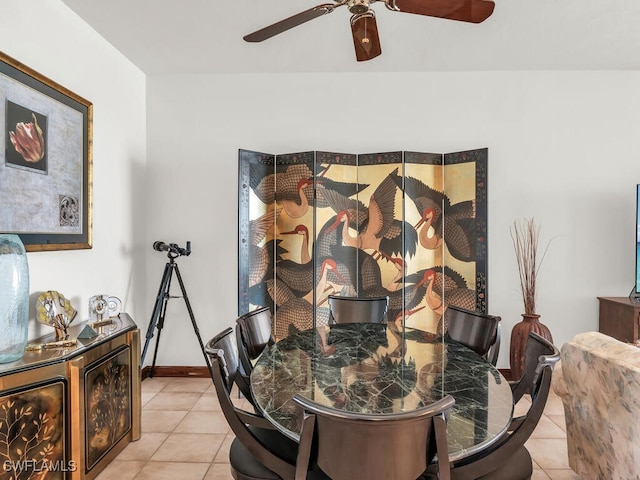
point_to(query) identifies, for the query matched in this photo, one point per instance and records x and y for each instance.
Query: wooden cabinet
(619, 318)
(65, 413)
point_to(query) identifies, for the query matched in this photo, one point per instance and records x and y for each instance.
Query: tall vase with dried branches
(525, 236)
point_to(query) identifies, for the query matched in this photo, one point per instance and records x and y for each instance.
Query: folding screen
(409, 225)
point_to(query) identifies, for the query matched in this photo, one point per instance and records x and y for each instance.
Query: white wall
(563, 147)
(48, 37)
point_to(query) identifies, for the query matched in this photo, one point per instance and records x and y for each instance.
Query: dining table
(380, 369)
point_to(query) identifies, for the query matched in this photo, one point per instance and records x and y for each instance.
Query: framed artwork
(46, 160)
(407, 225)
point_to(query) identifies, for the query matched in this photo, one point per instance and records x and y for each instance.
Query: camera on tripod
(172, 248)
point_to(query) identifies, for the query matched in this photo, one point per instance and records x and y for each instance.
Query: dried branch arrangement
(525, 236)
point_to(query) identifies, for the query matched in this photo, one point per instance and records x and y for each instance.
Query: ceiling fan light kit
(365, 36)
(364, 28)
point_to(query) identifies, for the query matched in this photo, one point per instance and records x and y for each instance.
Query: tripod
(158, 316)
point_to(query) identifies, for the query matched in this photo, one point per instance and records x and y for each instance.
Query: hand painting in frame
(45, 168)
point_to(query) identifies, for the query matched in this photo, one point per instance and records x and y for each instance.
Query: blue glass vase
(14, 298)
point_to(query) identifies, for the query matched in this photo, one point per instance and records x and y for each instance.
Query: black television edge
(635, 293)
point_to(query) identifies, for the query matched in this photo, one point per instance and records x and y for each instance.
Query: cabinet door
(33, 422)
(105, 403)
(107, 387)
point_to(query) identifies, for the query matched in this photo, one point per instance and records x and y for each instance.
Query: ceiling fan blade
(289, 23)
(364, 30)
(474, 11)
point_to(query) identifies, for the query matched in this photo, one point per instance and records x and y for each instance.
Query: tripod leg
(193, 320)
(161, 319)
(163, 291)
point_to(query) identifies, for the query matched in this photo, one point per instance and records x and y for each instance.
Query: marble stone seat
(599, 384)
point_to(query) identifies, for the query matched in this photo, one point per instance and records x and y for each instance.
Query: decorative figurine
(56, 311)
(103, 307)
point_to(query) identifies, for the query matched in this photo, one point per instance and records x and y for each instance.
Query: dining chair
(507, 458)
(258, 450)
(358, 446)
(344, 309)
(532, 353)
(253, 335)
(478, 331)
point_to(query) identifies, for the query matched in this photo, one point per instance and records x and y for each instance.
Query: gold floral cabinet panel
(107, 410)
(66, 413)
(33, 431)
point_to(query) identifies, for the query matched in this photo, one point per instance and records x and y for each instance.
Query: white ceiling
(198, 36)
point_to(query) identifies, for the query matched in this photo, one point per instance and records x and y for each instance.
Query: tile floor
(185, 435)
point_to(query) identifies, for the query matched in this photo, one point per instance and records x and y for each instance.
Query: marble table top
(382, 369)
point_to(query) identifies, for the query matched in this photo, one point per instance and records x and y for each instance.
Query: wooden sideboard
(619, 318)
(65, 413)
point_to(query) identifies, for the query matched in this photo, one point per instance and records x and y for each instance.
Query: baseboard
(506, 373)
(178, 371)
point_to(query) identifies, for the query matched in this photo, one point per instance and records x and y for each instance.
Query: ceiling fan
(363, 20)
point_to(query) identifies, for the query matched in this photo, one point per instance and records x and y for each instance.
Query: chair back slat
(536, 348)
(253, 335)
(357, 309)
(353, 446)
(223, 348)
(255, 331)
(477, 331)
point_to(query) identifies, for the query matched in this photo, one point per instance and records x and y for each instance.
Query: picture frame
(46, 160)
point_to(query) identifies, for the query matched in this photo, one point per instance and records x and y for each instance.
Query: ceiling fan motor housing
(358, 6)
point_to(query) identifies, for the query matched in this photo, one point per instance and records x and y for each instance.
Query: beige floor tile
(154, 384)
(219, 471)
(236, 397)
(121, 470)
(173, 401)
(242, 403)
(549, 453)
(144, 448)
(187, 384)
(522, 406)
(208, 402)
(188, 447)
(539, 474)
(146, 396)
(558, 420)
(173, 471)
(562, 475)
(547, 429)
(186, 436)
(554, 406)
(161, 420)
(203, 422)
(222, 456)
